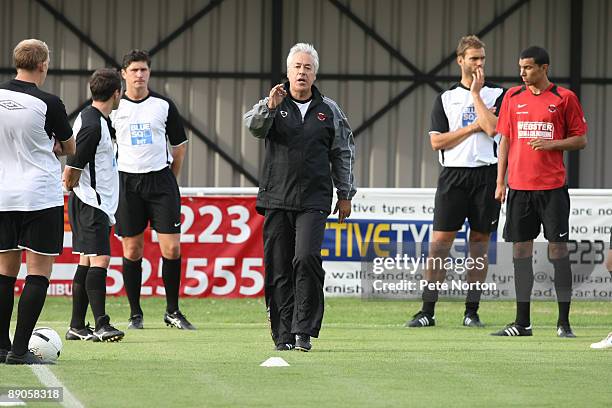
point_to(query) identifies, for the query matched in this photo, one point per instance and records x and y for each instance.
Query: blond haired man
(462, 131)
(34, 129)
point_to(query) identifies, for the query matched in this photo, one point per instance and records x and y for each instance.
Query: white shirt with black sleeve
(454, 109)
(144, 130)
(30, 173)
(95, 157)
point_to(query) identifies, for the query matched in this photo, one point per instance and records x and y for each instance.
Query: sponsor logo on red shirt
(532, 130)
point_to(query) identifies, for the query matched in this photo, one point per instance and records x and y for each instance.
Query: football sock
(171, 275)
(430, 297)
(31, 303)
(79, 298)
(523, 284)
(472, 301)
(96, 291)
(563, 287)
(7, 297)
(132, 279)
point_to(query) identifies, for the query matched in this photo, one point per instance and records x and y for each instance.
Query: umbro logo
(11, 105)
(521, 105)
(284, 114)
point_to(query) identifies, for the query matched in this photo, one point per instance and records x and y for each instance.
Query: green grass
(364, 357)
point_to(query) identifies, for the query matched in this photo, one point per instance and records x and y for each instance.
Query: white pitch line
(12, 403)
(48, 379)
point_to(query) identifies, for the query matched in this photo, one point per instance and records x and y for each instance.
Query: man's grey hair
(307, 49)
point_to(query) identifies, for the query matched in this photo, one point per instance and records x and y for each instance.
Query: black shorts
(149, 197)
(39, 231)
(527, 210)
(466, 192)
(90, 228)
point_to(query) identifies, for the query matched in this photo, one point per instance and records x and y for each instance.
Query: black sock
(171, 275)
(7, 298)
(132, 279)
(472, 301)
(30, 305)
(563, 287)
(79, 298)
(430, 297)
(96, 291)
(523, 284)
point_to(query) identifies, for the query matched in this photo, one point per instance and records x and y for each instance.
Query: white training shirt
(143, 130)
(454, 109)
(95, 155)
(30, 173)
(302, 106)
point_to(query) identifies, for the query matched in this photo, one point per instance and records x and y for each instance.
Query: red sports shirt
(553, 114)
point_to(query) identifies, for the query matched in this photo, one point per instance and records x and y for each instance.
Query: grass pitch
(364, 357)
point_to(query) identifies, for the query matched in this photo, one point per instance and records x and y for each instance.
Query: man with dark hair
(309, 150)
(135, 56)
(462, 130)
(91, 176)
(33, 126)
(148, 190)
(538, 54)
(539, 121)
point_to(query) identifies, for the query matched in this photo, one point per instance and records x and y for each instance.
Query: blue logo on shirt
(141, 134)
(468, 116)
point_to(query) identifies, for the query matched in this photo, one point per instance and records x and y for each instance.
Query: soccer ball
(46, 344)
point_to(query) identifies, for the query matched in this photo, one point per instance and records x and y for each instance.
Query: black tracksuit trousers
(294, 275)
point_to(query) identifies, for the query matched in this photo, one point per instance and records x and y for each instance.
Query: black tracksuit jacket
(304, 159)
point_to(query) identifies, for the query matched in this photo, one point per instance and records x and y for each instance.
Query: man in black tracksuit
(309, 144)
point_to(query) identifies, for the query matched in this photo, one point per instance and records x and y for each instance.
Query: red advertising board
(221, 248)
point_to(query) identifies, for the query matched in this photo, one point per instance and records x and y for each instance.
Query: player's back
(29, 171)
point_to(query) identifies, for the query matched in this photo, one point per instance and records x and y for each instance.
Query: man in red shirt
(538, 120)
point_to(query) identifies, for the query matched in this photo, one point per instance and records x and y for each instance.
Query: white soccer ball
(46, 344)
